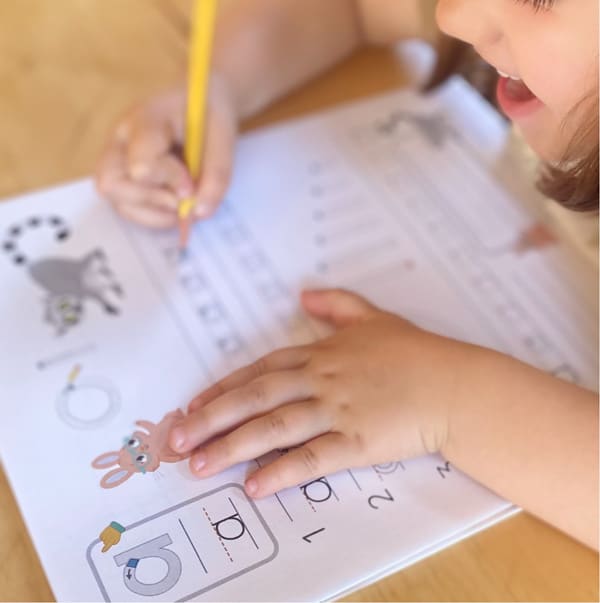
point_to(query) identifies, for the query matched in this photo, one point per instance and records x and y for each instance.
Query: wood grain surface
(68, 69)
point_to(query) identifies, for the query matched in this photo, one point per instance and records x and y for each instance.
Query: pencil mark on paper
(443, 469)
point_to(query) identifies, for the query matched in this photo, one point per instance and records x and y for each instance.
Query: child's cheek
(558, 64)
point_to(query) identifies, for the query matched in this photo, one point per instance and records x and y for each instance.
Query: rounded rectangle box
(185, 550)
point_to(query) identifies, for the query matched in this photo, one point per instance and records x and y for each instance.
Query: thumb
(338, 307)
(217, 164)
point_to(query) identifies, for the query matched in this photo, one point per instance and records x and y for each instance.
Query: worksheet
(108, 331)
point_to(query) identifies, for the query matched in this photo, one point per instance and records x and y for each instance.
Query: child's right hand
(142, 171)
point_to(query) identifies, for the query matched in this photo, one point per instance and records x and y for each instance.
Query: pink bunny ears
(115, 477)
(141, 452)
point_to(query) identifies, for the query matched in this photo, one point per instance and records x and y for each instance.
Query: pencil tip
(184, 234)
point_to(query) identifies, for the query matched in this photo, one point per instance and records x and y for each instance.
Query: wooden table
(68, 68)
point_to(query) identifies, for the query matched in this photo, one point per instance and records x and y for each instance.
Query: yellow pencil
(203, 25)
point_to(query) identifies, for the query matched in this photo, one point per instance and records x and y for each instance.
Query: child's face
(551, 45)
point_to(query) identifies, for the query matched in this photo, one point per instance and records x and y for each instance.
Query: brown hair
(573, 181)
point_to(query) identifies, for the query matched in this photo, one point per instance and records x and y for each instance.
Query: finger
(286, 426)
(338, 307)
(217, 164)
(122, 130)
(151, 137)
(170, 172)
(322, 456)
(125, 192)
(111, 166)
(236, 406)
(106, 546)
(284, 359)
(148, 216)
(113, 183)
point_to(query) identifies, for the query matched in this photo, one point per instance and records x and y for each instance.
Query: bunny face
(141, 452)
(138, 455)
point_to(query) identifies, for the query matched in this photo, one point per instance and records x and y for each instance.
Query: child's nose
(473, 21)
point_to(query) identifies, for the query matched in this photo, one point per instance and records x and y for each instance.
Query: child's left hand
(377, 390)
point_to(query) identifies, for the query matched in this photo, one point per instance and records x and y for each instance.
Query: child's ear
(108, 459)
(115, 478)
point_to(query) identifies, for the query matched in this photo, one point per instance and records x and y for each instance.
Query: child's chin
(547, 143)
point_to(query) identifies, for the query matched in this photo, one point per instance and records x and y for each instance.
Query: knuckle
(260, 366)
(257, 394)
(326, 376)
(309, 459)
(343, 409)
(276, 425)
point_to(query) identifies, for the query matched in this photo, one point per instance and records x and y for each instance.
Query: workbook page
(108, 331)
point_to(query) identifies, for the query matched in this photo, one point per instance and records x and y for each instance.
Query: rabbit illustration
(141, 452)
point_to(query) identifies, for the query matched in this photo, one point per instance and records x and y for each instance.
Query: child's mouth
(515, 98)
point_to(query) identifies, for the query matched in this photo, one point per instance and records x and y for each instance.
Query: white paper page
(389, 197)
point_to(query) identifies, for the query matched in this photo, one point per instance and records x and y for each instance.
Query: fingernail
(251, 487)
(198, 461)
(178, 438)
(139, 171)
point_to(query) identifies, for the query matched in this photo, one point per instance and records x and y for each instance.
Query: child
(381, 389)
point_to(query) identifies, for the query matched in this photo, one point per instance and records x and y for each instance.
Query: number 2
(388, 497)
